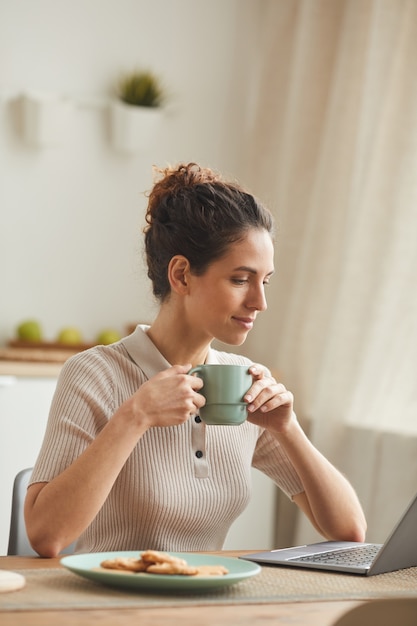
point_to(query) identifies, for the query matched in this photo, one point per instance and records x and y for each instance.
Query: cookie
(155, 562)
(211, 570)
(125, 564)
(153, 556)
(172, 568)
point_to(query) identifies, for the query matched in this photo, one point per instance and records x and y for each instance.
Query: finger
(196, 403)
(174, 370)
(265, 386)
(269, 396)
(258, 371)
(195, 382)
(181, 369)
(281, 400)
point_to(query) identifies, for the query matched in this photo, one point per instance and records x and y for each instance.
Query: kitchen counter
(43, 360)
(26, 369)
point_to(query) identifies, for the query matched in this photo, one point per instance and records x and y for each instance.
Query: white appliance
(24, 408)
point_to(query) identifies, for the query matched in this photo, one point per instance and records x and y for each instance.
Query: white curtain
(333, 152)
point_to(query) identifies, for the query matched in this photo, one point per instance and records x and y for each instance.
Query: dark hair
(194, 213)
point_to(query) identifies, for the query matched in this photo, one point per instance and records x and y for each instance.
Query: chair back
(381, 612)
(18, 539)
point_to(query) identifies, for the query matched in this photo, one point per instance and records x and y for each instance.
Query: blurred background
(311, 104)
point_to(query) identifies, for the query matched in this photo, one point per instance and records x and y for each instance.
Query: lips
(246, 322)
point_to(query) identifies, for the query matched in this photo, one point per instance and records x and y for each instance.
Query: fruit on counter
(30, 330)
(70, 336)
(107, 336)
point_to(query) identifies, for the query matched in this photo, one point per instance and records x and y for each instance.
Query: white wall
(71, 216)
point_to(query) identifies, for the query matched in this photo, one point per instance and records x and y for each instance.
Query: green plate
(85, 564)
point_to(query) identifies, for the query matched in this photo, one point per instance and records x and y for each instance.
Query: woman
(126, 462)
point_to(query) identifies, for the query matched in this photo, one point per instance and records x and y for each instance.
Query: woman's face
(223, 303)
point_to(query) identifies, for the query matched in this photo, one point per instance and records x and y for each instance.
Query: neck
(172, 336)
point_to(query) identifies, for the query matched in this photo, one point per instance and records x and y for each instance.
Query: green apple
(70, 336)
(30, 330)
(107, 336)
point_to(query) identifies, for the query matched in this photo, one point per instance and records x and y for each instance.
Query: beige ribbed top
(166, 497)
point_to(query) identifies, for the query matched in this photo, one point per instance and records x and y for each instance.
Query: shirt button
(199, 454)
(197, 419)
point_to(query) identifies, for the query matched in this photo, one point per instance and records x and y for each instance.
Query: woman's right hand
(167, 399)
(59, 511)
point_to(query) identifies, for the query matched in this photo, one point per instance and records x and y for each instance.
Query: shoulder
(100, 363)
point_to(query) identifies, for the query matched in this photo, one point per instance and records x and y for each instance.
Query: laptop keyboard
(361, 556)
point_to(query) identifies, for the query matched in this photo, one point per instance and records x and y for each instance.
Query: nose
(257, 299)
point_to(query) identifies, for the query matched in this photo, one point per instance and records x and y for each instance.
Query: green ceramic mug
(224, 388)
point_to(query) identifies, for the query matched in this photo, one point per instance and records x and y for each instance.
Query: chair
(386, 612)
(18, 539)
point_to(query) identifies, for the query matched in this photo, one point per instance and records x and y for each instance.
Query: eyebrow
(245, 268)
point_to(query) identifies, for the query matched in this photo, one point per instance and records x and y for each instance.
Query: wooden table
(294, 614)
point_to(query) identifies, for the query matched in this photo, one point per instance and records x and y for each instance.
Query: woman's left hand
(270, 404)
(328, 499)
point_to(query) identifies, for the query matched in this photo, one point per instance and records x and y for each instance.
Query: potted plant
(136, 111)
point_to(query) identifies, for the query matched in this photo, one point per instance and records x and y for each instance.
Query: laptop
(367, 559)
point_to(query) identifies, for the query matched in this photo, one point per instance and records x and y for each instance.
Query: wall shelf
(46, 117)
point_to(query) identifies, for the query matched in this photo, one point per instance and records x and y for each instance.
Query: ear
(178, 273)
